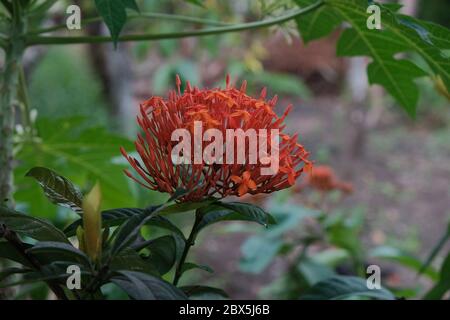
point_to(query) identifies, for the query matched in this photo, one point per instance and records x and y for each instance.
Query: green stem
(187, 245)
(8, 90)
(151, 15)
(37, 40)
(24, 98)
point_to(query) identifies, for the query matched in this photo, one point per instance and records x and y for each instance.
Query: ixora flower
(324, 179)
(224, 168)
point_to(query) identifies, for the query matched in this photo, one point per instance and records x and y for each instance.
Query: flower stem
(37, 40)
(187, 245)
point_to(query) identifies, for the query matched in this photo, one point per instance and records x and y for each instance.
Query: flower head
(324, 179)
(219, 109)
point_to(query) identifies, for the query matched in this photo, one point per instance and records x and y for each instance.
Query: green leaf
(443, 285)
(317, 23)
(114, 14)
(399, 34)
(313, 272)
(402, 258)
(229, 211)
(204, 292)
(115, 217)
(196, 2)
(60, 251)
(163, 252)
(187, 206)
(345, 287)
(6, 273)
(129, 259)
(397, 76)
(258, 252)
(431, 46)
(129, 231)
(58, 189)
(31, 227)
(437, 248)
(141, 286)
(8, 251)
(54, 271)
(191, 266)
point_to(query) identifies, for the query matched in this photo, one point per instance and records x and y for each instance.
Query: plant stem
(187, 245)
(36, 40)
(24, 98)
(150, 15)
(8, 89)
(12, 238)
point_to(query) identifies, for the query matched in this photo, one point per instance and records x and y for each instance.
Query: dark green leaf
(115, 217)
(162, 253)
(318, 23)
(397, 76)
(437, 248)
(58, 189)
(187, 206)
(204, 292)
(258, 252)
(114, 14)
(31, 227)
(129, 259)
(129, 231)
(345, 287)
(190, 266)
(63, 252)
(443, 285)
(52, 271)
(196, 2)
(8, 251)
(6, 273)
(228, 211)
(141, 286)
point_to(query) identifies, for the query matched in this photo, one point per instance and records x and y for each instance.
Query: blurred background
(392, 202)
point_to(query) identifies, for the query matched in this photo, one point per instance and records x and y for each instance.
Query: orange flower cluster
(323, 178)
(221, 109)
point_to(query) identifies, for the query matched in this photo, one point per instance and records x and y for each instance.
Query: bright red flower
(221, 109)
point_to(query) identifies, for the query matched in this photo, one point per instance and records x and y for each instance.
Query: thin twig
(37, 40)
(150, 15)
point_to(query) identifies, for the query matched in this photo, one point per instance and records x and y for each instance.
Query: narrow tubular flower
(219, 109)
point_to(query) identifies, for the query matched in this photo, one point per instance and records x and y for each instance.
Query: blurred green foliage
(63, 84)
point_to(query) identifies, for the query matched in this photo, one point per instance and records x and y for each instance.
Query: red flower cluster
(222, 109)
(323, 178)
